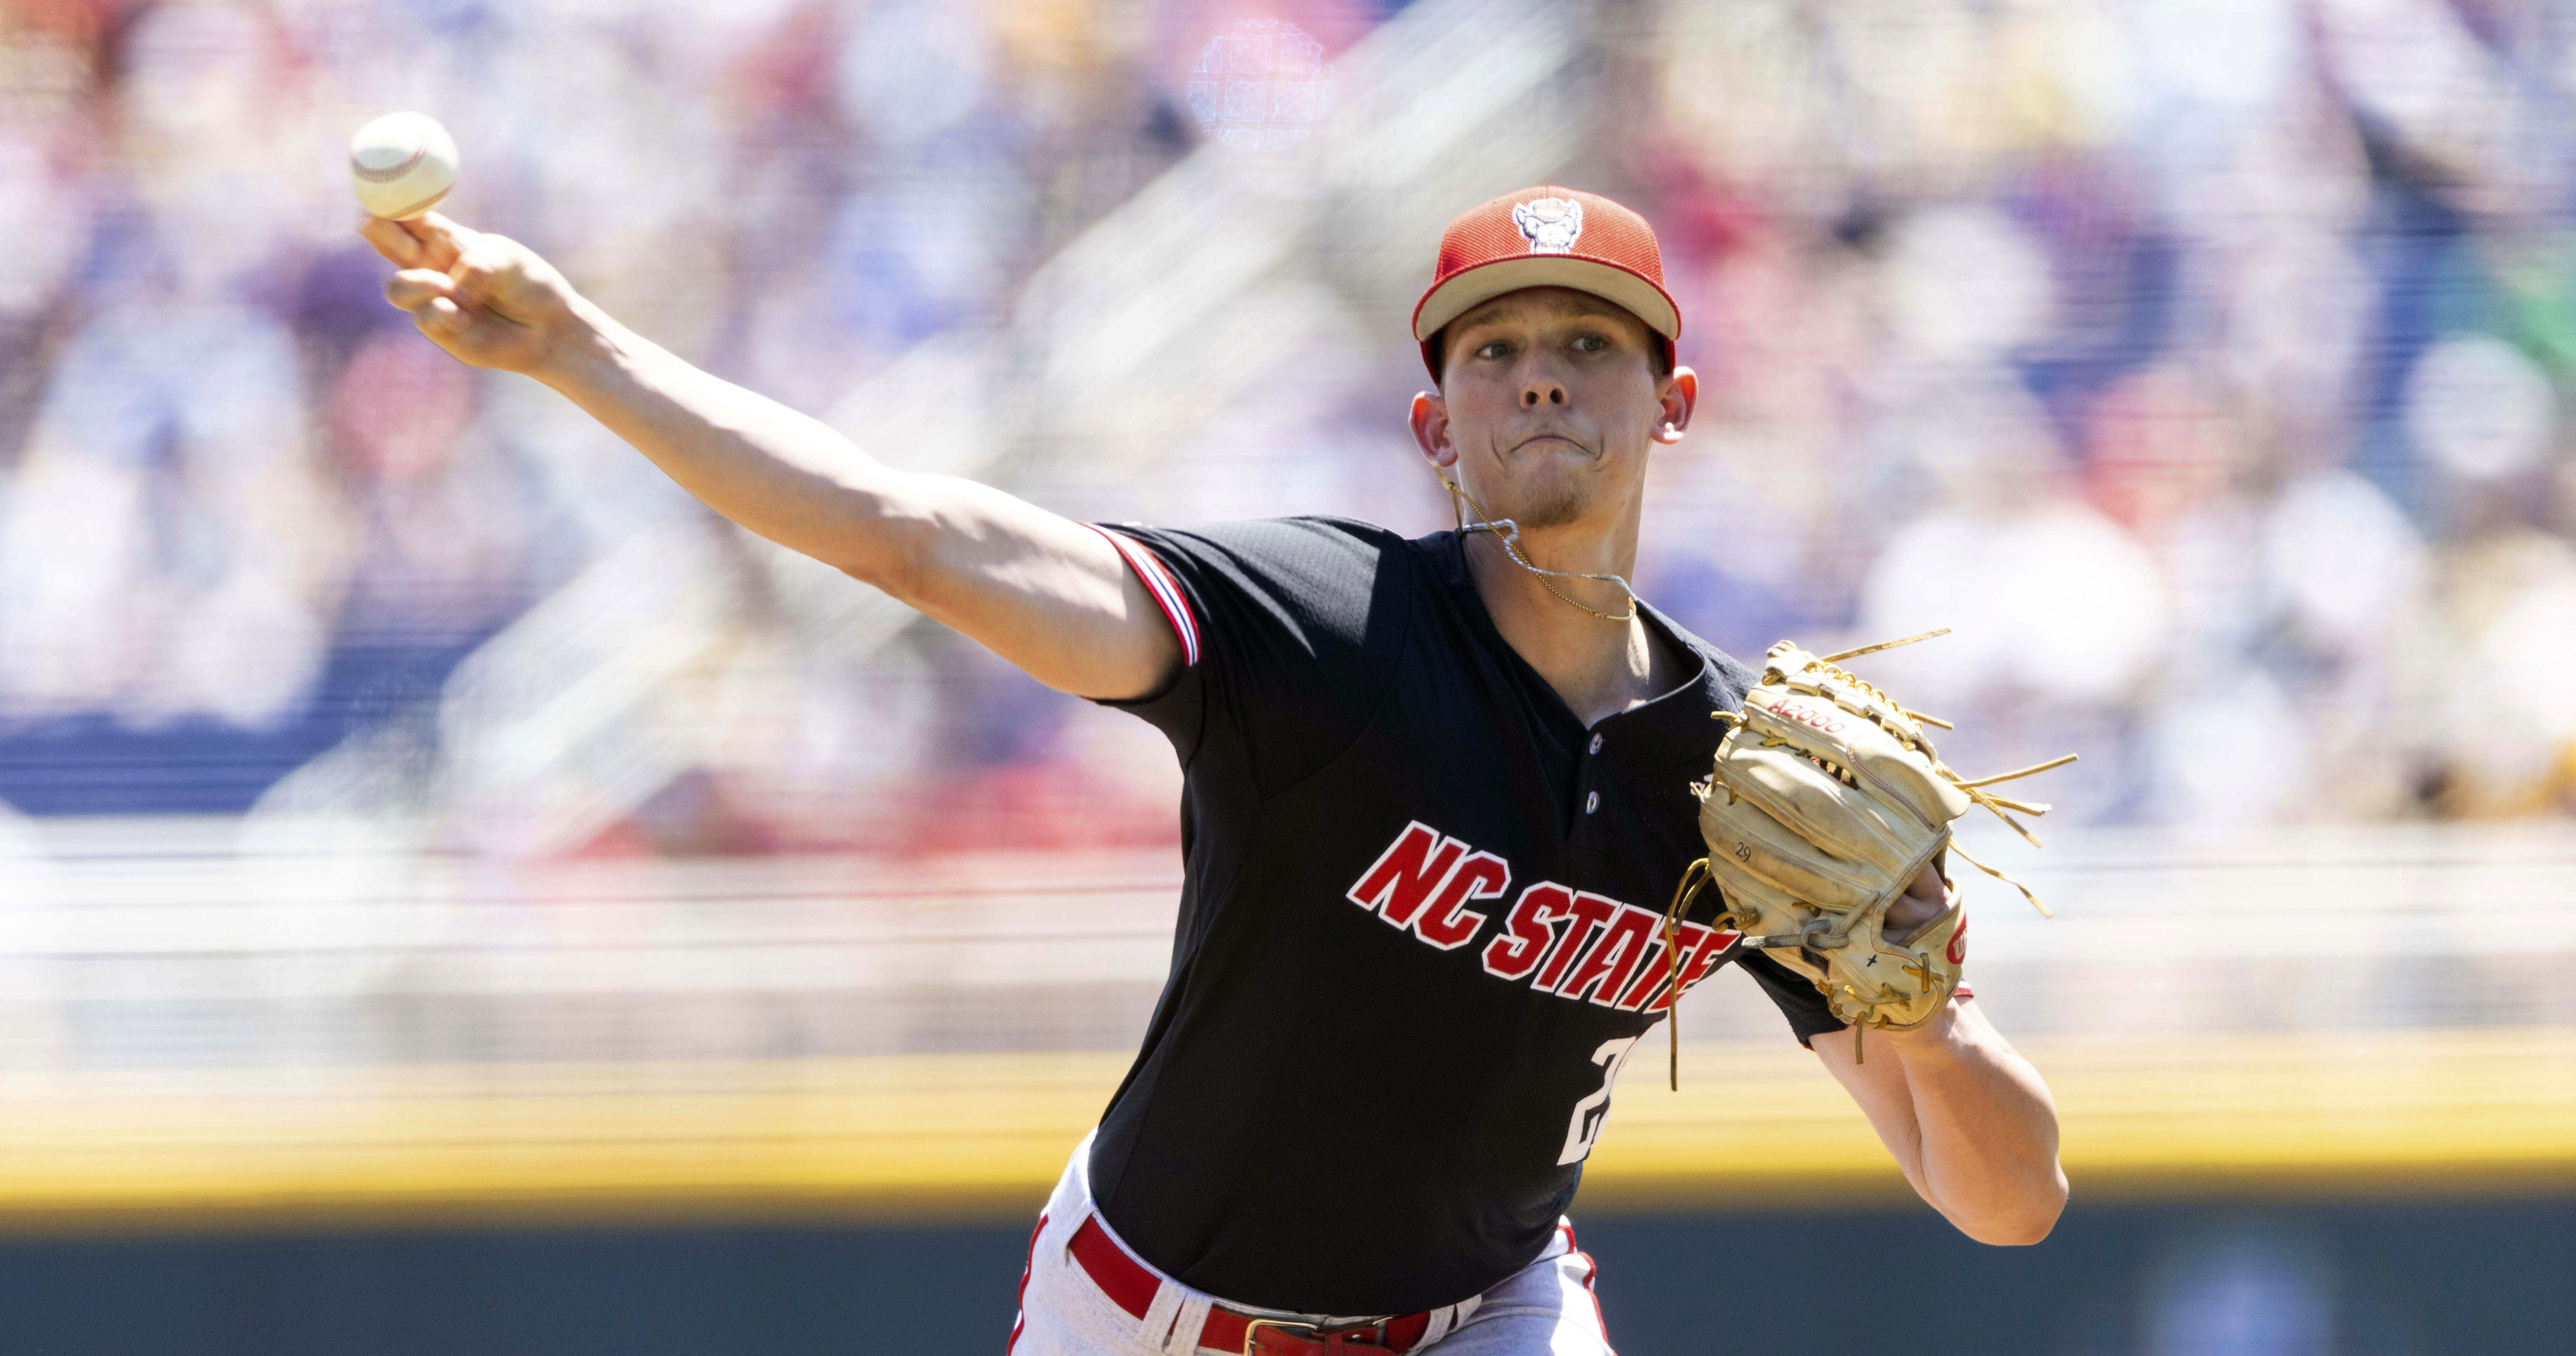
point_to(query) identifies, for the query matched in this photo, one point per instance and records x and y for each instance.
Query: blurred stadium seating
(413, 808)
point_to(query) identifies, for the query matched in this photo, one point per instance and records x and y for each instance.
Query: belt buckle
(1318, 1337)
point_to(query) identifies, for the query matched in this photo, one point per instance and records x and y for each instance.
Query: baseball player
(1440, 794)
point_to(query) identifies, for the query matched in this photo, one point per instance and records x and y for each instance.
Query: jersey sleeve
(1808, 1015)
(1290, 632)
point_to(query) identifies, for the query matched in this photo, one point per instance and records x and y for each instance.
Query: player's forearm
(1986, 1128)
(775, 471)
(1049, 595)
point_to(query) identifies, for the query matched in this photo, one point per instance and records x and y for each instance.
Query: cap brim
(1470, 288)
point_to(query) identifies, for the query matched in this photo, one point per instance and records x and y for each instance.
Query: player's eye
(1493, 348)
(1590, 343)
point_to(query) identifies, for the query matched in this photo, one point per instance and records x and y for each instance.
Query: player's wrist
(582, 347)
(1932, 1036)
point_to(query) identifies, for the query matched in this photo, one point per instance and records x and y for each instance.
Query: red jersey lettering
(1589, 911)
(1405, 876)
(1660, 967)
(1606, 952)
(1704, 958)
(1614, 959)
(1448, 923)
(1700, 950)
(1517, 949)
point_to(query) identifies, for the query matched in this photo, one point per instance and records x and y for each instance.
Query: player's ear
(1431, 429)
(1679, 395)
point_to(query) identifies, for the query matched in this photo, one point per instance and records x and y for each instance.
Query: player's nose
(1542, 391)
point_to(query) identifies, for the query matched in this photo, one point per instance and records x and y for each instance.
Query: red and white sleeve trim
(1020, 1319)
(1158, 581)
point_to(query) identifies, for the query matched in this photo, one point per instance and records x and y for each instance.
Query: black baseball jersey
(1420, 925)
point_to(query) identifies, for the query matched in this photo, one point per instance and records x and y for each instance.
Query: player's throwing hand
(487, 299)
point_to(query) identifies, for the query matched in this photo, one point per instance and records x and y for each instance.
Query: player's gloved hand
(487, 299)
(1923, 901)
(1827, 816)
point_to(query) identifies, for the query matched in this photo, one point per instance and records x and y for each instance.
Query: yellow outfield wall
(984, 1135)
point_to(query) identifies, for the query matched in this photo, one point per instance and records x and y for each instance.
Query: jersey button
(1592, 802)
(1596, 743)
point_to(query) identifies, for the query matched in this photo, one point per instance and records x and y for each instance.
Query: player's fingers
(441, 319)
(398, 246)
(414, 288)
(475, 274)
(441, 240)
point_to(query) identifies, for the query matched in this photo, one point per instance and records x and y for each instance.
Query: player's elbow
(893, 554)
(2026, 1219)
(2017, 1233)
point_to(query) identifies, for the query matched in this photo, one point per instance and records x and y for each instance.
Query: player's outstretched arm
(1046, 593)
(1968, 1119)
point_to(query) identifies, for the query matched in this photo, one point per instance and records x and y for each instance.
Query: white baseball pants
(1545, 1309)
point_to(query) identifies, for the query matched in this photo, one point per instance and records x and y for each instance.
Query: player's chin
(1557, 489)
(1551, 501)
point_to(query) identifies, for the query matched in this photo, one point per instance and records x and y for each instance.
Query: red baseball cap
(1547, 237)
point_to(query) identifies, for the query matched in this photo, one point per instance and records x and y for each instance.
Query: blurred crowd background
(2201, 361)
(367, 721)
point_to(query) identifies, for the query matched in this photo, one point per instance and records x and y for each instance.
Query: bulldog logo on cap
(1550, 225)
(1526, 238)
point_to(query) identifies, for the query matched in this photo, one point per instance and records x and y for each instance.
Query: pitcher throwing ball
(1440, 792)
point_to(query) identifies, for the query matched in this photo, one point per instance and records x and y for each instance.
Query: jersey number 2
(1584, 1130)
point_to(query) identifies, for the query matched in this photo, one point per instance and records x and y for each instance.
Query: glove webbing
(1829, 666)
(1696, 876)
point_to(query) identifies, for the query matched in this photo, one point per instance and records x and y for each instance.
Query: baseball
(401, 165)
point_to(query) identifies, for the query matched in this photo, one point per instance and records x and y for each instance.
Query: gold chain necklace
(1508, 533)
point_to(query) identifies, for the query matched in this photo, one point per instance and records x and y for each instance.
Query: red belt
(1126, 1281)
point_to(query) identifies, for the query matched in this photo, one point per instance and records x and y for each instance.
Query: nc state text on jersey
(1571, 943)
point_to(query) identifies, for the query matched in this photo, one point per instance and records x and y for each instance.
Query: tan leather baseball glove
(1826, 800)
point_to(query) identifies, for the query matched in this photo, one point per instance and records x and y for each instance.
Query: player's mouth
(1549, 441)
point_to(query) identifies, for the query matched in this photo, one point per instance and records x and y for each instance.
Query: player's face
(1548, 405)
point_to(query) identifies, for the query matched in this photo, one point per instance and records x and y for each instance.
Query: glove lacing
(1826, 668)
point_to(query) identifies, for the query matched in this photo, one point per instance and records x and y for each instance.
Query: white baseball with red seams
(401, 165)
